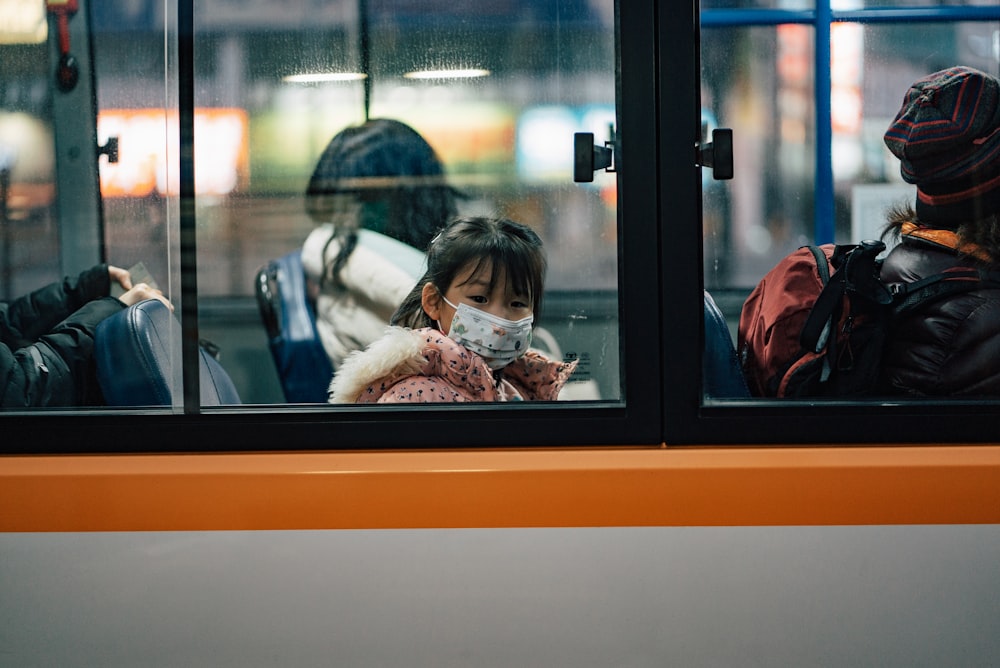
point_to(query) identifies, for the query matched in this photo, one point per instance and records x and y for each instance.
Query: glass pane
(72, 199)
(497, 91)
(139, 190)
(52, 224)
(866, 174)
(923, 4)
(759, 83)
(29, 243)
(759, 4)
(134, 58)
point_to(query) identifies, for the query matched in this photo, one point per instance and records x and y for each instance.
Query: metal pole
(364, 48)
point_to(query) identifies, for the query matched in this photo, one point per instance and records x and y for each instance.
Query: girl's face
(472, 287)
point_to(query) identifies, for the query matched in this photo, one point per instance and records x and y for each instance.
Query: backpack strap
(826, 309)
(856, 275)
(908, 297)
(822, 264)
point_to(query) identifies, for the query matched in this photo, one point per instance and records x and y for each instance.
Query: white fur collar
(399, 353)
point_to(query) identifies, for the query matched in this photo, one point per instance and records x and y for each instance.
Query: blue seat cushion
(304, 369)
(722, 375)
(138, 357)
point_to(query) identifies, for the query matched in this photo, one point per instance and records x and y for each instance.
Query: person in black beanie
(947, 138)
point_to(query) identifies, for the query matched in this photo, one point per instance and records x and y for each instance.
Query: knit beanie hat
(947, 138)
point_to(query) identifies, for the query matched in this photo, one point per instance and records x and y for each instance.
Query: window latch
(589, 157)
(717, 154)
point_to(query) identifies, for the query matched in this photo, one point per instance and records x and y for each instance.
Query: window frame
(692, 419)
(634, 420)
(658, 120)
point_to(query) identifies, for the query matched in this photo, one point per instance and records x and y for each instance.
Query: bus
(663, 152)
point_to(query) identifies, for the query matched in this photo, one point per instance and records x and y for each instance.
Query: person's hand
(121, 277)
(141, 292)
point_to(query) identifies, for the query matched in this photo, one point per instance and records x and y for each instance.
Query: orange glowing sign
(148, 147)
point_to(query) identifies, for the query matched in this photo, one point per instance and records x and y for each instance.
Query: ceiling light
(447, 74)
(324, 77)
(24, 22)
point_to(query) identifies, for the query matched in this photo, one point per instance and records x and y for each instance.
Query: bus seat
(137, 352)
(289, 317)
(721, 372)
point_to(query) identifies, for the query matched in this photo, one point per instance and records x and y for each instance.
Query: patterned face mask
(498, 340)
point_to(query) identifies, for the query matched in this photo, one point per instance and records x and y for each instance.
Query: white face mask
(498, 340)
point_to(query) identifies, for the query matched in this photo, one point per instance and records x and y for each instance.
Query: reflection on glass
(867, 175)
(759, 81)
(909, 4)
(497, 93)
(759, 4)
(29, 241)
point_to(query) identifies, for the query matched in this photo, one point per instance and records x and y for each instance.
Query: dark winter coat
(950, 347)
(47, 341)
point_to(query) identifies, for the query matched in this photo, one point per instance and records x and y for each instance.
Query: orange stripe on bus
(655, 486)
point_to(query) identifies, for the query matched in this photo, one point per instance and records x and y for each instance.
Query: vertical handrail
(364, 48)
(823, 204)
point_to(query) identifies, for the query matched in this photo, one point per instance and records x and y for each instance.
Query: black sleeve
(58, 369)
(25, 319)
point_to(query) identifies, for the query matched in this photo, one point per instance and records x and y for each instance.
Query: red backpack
(817, 323)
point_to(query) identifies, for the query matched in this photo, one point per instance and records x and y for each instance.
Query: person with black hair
(464, 332)
(379, 195)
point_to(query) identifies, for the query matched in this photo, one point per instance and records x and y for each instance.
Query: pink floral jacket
(425, 366)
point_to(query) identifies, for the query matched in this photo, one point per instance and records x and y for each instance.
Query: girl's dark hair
(984, 233)
(513, 250)
(382, 176)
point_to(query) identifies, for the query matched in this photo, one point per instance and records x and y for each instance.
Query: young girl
(464, 331)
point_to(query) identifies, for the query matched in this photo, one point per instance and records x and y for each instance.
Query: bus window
(811, 167)
(502, 94)
(28, 234)
(498, 93)
(52, 213)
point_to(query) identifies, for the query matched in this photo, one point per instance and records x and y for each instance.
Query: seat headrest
(303, 366)
(138, 356)
(721, 372)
